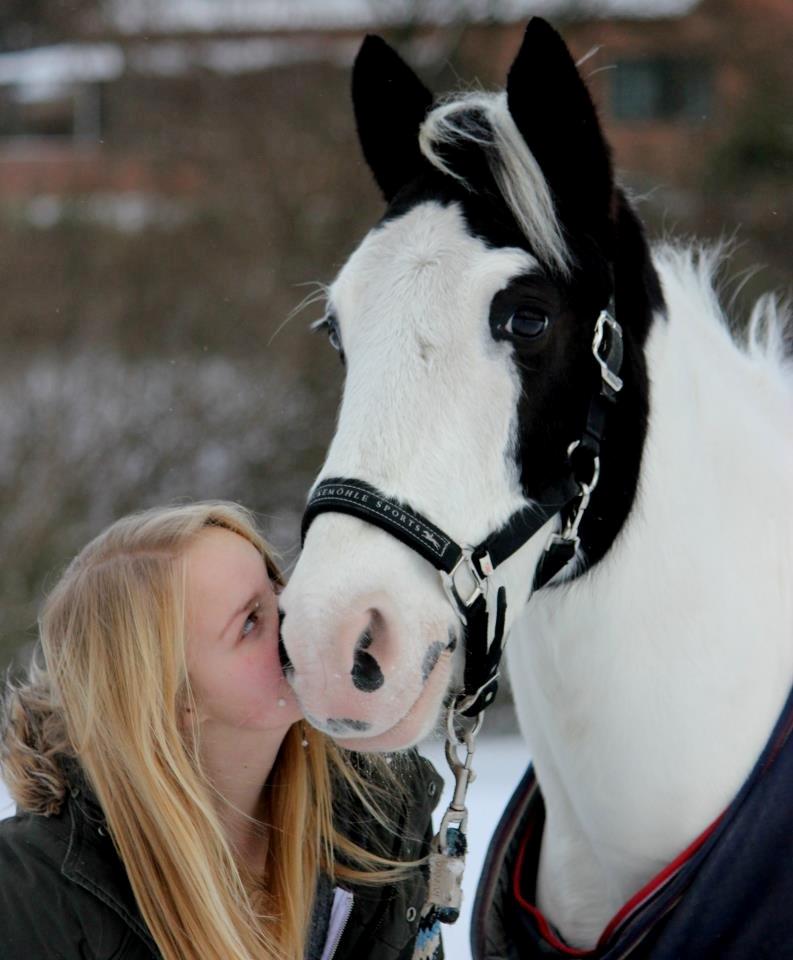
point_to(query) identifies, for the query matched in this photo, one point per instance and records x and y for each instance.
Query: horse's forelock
(484, 121)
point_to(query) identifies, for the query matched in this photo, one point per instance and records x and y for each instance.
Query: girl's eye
(250, 621)
(526, 324)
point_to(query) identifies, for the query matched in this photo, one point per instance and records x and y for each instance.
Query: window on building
(49, 110)
(662, 88)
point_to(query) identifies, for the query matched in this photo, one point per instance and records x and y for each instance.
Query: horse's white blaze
(647, 689)
(429, 393)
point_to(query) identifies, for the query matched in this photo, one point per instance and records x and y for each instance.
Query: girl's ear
(554, 112)
(390, 103)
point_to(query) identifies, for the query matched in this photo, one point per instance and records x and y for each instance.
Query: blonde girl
(170, 800)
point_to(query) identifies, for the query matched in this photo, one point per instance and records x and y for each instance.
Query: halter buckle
(602, 350)
(475, 588)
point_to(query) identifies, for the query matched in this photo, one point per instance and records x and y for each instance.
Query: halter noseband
(465, 571)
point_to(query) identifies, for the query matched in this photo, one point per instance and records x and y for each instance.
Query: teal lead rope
(428, 939)
(446, 876)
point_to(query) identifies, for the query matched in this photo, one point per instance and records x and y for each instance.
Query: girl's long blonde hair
(110, 692)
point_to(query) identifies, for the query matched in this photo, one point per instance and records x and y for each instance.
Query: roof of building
(90, 62)
(64, 63)
(207, 16)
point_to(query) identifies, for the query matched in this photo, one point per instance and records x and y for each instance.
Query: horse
(527, 376)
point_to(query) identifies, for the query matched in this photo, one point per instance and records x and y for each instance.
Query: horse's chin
(416, 723)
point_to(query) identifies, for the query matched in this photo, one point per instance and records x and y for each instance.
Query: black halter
(465, 571)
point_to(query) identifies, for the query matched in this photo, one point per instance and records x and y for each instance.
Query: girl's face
(232, 637)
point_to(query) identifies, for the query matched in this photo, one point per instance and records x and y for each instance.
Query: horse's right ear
(390, 103)
(550, 104)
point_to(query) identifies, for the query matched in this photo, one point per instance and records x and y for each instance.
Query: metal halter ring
(469, 731)
(478, 582)
(570, 531)
(593, 480)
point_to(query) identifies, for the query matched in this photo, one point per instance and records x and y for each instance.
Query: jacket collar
(91, 861)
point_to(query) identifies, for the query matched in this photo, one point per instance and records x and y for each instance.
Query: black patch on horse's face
(431, 658)
(557, 371)
(339, 727)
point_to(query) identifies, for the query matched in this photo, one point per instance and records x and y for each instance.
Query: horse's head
(465, 319)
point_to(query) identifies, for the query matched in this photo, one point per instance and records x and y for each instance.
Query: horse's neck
(647, 689)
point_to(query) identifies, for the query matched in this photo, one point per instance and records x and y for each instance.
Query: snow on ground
(6, 806)
(499, 763)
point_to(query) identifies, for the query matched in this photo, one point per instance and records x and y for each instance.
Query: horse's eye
(334, 337)
(330, 325)
(526, 324)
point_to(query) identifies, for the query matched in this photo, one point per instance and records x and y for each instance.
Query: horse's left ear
(390, 103)
(554, 112)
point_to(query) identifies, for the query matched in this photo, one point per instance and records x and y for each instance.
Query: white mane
(484, 119)
(693, 270)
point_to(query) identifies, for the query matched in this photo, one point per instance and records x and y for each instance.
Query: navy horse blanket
(728, 896)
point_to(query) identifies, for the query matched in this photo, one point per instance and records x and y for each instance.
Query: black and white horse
(649, 672)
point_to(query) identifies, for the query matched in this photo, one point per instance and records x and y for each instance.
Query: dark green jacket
(64, 894)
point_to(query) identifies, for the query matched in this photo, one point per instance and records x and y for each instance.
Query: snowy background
(499, 763)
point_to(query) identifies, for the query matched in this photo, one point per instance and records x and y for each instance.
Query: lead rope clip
(447, 854)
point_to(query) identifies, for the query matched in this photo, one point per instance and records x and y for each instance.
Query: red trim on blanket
(636, 901)
(543, 925)
(657, 881)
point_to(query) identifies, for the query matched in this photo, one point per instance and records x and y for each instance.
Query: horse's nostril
(366, 673)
